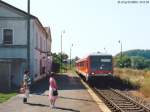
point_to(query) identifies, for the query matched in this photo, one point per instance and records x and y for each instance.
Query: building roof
(17, 9)
(23, 12)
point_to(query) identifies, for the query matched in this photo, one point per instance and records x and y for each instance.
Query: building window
(37, 42)
(41, 43)
(7, 36)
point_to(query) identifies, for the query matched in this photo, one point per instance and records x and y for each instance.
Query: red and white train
(95, 65)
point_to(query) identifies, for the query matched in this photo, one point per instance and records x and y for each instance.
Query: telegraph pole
(120, 51)
(61, 54)
(70, 55)
(61, 51)
(28, 36)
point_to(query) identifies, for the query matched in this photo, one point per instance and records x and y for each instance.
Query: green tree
(137, 59)
(138, 62)
(123, 61)
(147, 63)
(57, 61)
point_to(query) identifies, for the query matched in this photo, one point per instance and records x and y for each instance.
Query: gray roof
(23, 12)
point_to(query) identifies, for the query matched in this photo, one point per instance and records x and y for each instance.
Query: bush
(139, 78)
(145, 89)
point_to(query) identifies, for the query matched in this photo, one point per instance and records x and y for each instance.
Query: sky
(93, 25)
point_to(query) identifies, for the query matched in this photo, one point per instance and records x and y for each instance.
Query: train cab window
(81, 64)
(105, 60)
(103, 63)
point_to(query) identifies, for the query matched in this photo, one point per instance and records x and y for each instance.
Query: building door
(5, 79)
(15, 74)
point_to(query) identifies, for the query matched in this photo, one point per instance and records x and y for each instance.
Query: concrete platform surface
(73, 97)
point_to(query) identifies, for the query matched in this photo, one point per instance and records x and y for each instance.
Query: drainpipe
(28, 36)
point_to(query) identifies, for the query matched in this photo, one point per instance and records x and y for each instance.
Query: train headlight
(92, 73)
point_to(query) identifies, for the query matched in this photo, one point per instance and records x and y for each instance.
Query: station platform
(73, 97)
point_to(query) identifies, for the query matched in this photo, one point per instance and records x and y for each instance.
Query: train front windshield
(101, 63)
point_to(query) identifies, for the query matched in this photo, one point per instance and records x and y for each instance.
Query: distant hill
(138, 52)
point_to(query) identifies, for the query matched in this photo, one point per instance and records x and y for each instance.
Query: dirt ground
(140, 95)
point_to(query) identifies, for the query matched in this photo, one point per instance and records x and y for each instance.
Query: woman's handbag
(24, 100)
(55, 92)
(22, 90)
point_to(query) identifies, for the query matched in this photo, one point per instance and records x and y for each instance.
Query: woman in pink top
(52, 87)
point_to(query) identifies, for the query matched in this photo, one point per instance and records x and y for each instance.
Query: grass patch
(134, 76)
(140, 78)
(145, 89)
(5, 96)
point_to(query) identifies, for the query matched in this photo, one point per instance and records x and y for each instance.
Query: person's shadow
(35, 104)
(42, 105)
(68, 109)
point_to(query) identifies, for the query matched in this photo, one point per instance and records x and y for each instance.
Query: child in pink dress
(52, 87)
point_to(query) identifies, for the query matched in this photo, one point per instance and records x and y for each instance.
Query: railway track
(119, 102)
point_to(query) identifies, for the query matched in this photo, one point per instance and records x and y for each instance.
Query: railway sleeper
(111, 106)
(118, 100)
(129, 103)
(132, 100)
(125, 105)
(131, 108)
(127, 110)
(133, 111)
(122, 102)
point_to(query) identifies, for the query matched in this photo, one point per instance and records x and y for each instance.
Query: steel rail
(119, 102)
(133, 101)
(108, 100)
(125, 105)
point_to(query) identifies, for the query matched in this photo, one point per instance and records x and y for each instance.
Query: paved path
(73, 97)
